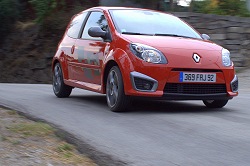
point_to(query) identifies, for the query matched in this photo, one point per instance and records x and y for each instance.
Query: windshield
(145, 22)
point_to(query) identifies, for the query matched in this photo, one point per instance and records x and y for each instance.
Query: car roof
(106, 8)
(113, 7)
(122, 8)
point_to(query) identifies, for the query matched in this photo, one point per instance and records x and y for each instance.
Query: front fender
(124, 63)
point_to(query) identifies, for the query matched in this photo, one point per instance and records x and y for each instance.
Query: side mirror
(96, 32)
(205, 37)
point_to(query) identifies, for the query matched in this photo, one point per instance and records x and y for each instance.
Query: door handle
(73, 49)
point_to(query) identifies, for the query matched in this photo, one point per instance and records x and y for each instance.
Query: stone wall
(230, 32)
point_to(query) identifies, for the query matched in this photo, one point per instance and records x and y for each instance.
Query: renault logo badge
(196, 58)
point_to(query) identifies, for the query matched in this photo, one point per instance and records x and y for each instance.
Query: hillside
(27, 45)
(27, 50)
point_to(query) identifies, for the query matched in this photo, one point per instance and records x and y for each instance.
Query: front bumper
(167, 85)
(219, 96)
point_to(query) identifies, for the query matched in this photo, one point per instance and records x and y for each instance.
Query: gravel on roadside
(24, 142)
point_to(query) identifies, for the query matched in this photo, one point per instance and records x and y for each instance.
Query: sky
(184, 2)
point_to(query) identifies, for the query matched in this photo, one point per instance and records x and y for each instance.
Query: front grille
(143, 84)
(194, 88)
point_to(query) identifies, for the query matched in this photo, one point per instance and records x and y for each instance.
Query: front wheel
(60, 89)
(215, 103)
(116, 98)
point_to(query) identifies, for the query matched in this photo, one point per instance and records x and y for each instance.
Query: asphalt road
(169, 133)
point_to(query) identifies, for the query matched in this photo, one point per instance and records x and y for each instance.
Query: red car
(126, 52)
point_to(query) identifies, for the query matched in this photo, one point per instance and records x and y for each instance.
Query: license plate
(197, 77)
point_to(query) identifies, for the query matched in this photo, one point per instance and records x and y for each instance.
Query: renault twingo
(126, 52)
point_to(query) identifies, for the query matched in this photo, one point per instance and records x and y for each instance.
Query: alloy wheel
(112, 88)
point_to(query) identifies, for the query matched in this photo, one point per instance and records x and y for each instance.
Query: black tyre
(60, 89)
(116, 98)
(215, 103)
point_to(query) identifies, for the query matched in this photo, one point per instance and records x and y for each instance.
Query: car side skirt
(84, 85)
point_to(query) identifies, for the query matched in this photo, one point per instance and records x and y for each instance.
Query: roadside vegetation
(31, 29)
(221, 7)
(27, 142)
(56, 13)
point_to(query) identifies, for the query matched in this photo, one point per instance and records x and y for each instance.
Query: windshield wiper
(174, 35)
(136, 33)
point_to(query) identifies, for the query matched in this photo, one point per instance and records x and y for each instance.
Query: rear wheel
(116, 98)
(215, 103)
(60, 89)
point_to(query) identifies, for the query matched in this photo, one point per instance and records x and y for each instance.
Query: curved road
(173, 133)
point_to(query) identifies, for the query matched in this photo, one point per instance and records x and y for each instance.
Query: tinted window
(75, 25)
(95, 19)
(149, 22)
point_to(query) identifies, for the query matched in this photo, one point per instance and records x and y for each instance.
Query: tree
(231, 7)
(222, 7)
(44, 8)
(155, 4)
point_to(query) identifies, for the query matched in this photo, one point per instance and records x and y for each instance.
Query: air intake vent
(235, 84)
(178, 88)
(142, 84)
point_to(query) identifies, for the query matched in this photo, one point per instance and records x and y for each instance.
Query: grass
(15, 142)
(32, 129)
(12, 112)
(65, 147)
(2, 138)
(66, 152)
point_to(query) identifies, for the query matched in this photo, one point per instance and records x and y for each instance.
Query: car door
(73, 33)
(90, 51)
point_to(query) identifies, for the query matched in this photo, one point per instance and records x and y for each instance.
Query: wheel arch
(121, 59)
(55, 61)
(60, 58)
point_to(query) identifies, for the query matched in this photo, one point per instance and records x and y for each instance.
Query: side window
(95, 19)
(75, 25)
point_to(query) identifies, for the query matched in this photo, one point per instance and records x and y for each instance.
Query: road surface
(172, 133)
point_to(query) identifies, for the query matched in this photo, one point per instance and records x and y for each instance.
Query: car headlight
(226, 60)
(147, 53)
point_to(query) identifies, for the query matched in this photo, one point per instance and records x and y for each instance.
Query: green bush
(223, 7)
(232, 7)
(45, 8)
